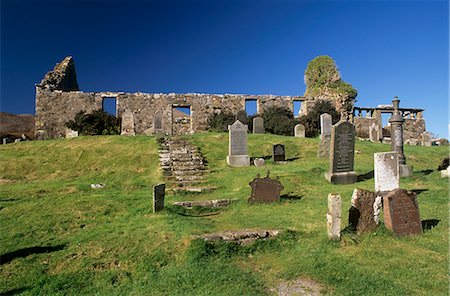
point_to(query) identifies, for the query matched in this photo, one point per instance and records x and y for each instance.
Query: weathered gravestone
(299, 131)
(426, 139)
(158, 123)
(396, 122)
(278, 152)
(259, 162)
(374, 133)
(71, 133)
(258, 125)
(265, 190)
(364, 212)
(242, 117)
(386, 171)
(342, 154)
(334, 216)
(401, 212)
(325, 136)
(159, 192)
(237, 152)
(127, 124)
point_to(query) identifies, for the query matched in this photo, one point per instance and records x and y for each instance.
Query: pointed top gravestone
(237, 146)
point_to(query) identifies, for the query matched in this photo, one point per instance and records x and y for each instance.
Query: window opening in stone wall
(110, 106)
(251, 107)
(185, 110)
(297, 107)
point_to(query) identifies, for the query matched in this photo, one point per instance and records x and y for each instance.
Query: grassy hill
(59, 236)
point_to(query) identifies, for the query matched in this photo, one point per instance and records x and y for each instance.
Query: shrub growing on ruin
(279, 121)
(311, 121)
(96, 123)
(218, 122)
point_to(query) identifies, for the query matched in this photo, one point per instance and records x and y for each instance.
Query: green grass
(110, 243)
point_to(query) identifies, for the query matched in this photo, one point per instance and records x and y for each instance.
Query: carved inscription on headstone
(159, 192)
(401, 212)
(265, 190)
(386, 171)
(343, 147)
(278, 152)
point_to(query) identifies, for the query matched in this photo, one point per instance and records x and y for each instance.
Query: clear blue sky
(383, 48)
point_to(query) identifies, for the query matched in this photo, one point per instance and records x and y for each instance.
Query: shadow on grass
(14, 291)
(419, 191)
(290, 197)
(424, 172)
(366, 176)
(192, 212)
(5, 258)
(428, 224)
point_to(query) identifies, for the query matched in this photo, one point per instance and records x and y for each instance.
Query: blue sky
(383, 48)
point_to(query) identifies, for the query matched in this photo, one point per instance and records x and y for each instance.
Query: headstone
(363, 215)
(299, 131)
(386, 173)
(157, 123)
(127, 124)
(401, 212)
(17, 140)
(237, 149)
(71, 133)
(374, 133)
(334, 216)
(258, 125)
(445, 173)
(426, 139)
(259, 162)
(5, 141)
(324, 147)
(265, 190)
(159, 192)
(342, 153)
(278, 152)
(325, 125)
(242, 117)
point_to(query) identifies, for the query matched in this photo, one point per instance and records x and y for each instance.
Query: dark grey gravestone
(258, 125)
(159, 192)
(278, 152)
(362, 214)
(242, 117)
(342, 154)
(265, 190)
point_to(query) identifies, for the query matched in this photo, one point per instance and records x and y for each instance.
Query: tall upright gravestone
(258, 125)
(159, 192)
(237, 147)
(127, 128)
(342, 154)
(396, 122)
(325, 135)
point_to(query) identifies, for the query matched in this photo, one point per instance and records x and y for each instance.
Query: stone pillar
(159, 192)
(334, 216)
(396, 122)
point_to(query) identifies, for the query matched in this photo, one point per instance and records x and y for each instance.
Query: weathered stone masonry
(153, 113)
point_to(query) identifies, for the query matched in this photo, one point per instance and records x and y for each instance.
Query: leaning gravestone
(278, 153)
(242, 116)
(401, 212)
(265, 190)
(342, 154)
(386, 173)
(237, 149)
(299, 131)
(363, 215)
(334, 216)
(127, 124)
(325, 136)
(159, 192)
(258, 125)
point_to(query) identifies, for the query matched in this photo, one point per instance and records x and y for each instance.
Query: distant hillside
(16, 125)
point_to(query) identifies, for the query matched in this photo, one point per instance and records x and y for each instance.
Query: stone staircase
(183, 166)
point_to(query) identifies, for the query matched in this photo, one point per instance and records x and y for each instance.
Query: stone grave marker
(159, 192)
(401, 212)
(258, 125)
(278, 153)
(71, 133)
(237, 149)
(127, 124)
(342, 154)
(363, 215)
(259, 162)
(157, 123)
(299, 131)
(426, 139)
(242, 117)
(374, 133)
(334, 216)
(325, 136)
(386, 171)
(265, 190)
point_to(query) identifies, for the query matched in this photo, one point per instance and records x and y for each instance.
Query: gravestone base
(238, 160)
(405, 170)
(341, 178)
